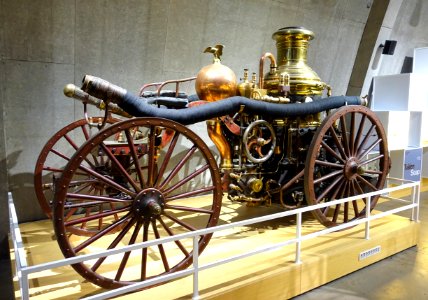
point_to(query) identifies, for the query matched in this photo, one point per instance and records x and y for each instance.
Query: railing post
(24, 286)
(417, 199)
(195, 268)
(368, 208)
(298, 236)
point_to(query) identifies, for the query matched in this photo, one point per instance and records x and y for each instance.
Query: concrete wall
(405, 22)
(47, 44)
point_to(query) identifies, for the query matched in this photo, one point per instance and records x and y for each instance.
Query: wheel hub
(351, 168)
(148, 203)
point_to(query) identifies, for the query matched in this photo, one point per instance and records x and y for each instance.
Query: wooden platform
(272, 275)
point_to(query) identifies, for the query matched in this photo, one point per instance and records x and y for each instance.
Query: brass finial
(217, 51)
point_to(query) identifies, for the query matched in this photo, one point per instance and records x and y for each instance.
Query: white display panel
(420, 61)
(400, 92)
(396, 125)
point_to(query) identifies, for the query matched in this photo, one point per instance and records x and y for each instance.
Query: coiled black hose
(134, 105)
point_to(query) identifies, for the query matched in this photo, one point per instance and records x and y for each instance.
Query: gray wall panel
(34, 109)
(39, 30)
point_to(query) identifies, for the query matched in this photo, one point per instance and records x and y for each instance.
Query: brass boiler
(292, 46)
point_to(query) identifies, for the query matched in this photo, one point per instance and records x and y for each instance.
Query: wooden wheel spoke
(100, 234)
(190, 209)
(60, 154)
(370, 148)
(100, 199)
(152, 162)
(354, 202)
(336, 212)
(338, 143)
(107, 181)
(114, 243)
(329, 164)
(100, 220)
(373, 172)
(51, 169)
(180, 222)
(126, 255)
(186, 179)
(75, 147)
(338, 206)
(366, 138)
(87, 214)
(167, 158)
(178, 167)
(346, 212)
(87, 137)
(160, 247)
(85, 132)
(344, 135)
(328, 189)
(359, 133)
(135, 158)
(332, 152)
(82, 204)
(365, 162)
(120, 167)
(333, 196)
(144, 251)
(330, 175)
(367, 183)
(358, 187)
(177, 242)
(346, 204)
(191, 193)
(70, 213)
(95, 216)
(352, 135)
(83, 187)
(70, 141)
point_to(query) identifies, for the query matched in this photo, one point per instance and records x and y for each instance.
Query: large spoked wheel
(150, 192)
(348, 156)
(55, 155)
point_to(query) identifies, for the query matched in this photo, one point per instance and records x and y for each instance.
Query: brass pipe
(72, 91)
(261, 66)
(216, 135)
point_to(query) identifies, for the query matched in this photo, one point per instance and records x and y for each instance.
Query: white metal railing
(23, 270)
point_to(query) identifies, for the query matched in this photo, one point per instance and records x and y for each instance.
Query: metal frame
(23, 270)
